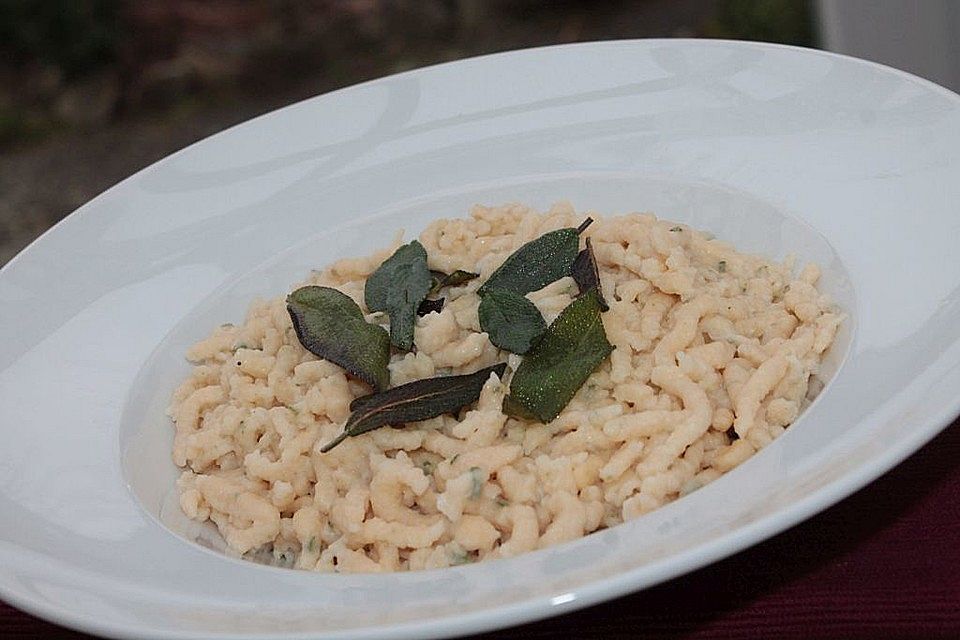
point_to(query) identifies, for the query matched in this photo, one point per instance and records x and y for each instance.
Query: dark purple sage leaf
(550, 374)
(586, 274)
(397, 287)
(430, 306)
(330, 325)
(413, 402)
(511, 321)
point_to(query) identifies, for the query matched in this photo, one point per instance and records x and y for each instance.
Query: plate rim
(596, 591)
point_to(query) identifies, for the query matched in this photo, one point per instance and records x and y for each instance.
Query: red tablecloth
(885, 563)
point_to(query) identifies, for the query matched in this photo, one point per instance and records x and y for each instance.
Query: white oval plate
(775, 149)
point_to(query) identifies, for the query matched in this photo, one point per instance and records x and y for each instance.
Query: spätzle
(714, 351)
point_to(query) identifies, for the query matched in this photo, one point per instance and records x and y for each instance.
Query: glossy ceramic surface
(775, 149)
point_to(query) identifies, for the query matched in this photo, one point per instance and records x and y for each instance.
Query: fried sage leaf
(455, 279)
(414, 401)
(586, 274)
(397, 287)
(439, 280)
(429, 306)
(511, 321)
(572, 347)
(537, 263)
(329, 324)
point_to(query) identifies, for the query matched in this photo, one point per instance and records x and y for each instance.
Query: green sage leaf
(587, 275)
(414, 401)
(572, 347)
(536, 264)
(397, 287)
(440, 279)
(511, 321)
(329, 324)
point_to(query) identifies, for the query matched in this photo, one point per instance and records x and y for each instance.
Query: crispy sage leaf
(397, 287)
(414, 401)
(436, 277)
(537, 263)
(330, 324)
(586, 274)
(440, 279)
(430, 306)
(572, 347)
(511, 321)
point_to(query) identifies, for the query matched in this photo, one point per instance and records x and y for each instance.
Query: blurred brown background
(92, 91)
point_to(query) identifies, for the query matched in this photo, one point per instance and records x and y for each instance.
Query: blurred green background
(91, 91)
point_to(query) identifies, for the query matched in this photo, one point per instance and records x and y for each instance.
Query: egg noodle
(715, 355)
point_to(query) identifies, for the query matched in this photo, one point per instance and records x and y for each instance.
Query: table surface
(883, 563)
